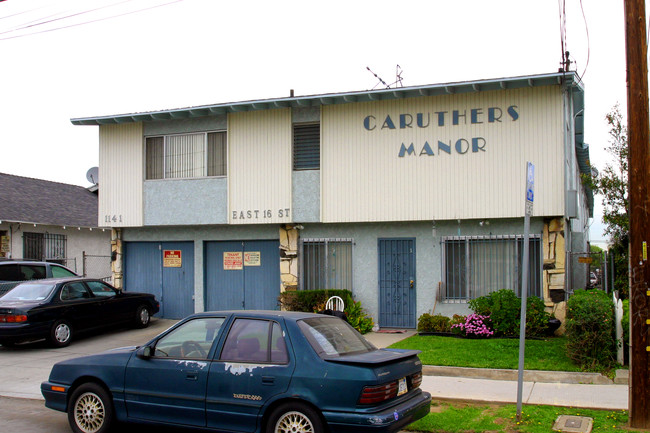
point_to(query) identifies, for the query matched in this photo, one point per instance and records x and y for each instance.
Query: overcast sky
(83, 58)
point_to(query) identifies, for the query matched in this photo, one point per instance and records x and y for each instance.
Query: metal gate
(242, 275)
(397, 283)
(148, 268)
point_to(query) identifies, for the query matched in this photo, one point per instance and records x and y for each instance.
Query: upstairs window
(186, 156)
(306, 146)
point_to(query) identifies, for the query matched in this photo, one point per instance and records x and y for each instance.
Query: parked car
(245, 371)
(56, 309)
(13, 272)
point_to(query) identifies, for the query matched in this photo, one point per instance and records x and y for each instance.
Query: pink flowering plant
(475, 325)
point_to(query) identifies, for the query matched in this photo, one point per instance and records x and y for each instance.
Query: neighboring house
(52, 221)
(413, 198)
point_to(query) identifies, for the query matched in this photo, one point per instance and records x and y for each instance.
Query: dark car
(56, 309)
(12, 272)
(245, 371)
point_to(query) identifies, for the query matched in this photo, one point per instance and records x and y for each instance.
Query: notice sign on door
(233, 260)
(172, 259)
(252, 258)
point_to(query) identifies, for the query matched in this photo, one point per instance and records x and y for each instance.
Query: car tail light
(416, 380)
(379, 393)
(13, 318)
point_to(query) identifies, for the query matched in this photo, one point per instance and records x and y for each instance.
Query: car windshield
(31, 291)
(330, 336)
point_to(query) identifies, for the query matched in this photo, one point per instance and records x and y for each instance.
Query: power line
(82, 23)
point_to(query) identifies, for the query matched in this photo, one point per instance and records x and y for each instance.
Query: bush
(476, 325)
(457, 319)
(311, 301)
(590, 329)
(437, 323)
(504, 309)
(358, 318)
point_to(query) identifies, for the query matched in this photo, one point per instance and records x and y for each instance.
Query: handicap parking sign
(530, 183)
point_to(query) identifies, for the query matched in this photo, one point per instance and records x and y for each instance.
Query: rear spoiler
(375, 357)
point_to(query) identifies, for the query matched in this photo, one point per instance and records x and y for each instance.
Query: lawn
(543, 354)
(459, 417)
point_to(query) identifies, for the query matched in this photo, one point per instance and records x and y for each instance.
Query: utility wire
(584, 18)
(88, 22)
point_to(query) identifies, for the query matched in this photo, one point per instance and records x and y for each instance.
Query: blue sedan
(245, 371)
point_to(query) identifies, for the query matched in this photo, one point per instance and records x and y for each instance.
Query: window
(61, 272)
(326, 264)
(192, 340)
(73, 292)
(477, 266)
(255, 341)
(306, 146)
(186, 156)
(332, 337)
(100, 289)
(44, 246)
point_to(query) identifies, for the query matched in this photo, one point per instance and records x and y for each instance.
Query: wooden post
(638, 142)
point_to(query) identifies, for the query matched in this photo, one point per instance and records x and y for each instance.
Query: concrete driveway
(24, 367)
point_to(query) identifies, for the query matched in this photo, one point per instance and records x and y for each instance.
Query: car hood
(108, 366)
(380, 356)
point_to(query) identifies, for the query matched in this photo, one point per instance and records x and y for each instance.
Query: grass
(547, 354)
(466, 417)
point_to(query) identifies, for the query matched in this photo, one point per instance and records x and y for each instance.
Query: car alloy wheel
(295, 418)
(91, 411)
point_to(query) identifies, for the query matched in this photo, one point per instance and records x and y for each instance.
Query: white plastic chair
(335, 303)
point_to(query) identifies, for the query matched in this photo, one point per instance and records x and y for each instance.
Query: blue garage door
(170, 279)
(397, 283)
(242, 275)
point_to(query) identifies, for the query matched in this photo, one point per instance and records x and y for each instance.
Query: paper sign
(252, 258)
(233, 260)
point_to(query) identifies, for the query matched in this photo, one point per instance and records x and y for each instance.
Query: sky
(84, 58)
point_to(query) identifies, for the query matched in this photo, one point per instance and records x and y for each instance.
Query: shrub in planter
(504, 309)
(358, 318)
(311, 301)
(590, 329)
(457, 319)
(437, 323)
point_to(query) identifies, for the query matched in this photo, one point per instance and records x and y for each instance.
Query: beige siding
(259, 167)
(364, 179)
(120, 175)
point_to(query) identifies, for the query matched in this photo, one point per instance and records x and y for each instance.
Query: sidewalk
(584, 390)
(22, 370)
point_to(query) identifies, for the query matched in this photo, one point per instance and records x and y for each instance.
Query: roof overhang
(559, 78)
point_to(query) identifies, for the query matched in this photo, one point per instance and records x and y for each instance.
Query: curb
(529, 375)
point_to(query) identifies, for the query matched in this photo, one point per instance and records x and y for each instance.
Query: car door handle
(268, 380)
(192, 375)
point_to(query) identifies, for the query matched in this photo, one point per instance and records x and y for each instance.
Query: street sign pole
(530, 196)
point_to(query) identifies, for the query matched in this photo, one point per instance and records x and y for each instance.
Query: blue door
(397, 283)
(172, 282)
(242, 275)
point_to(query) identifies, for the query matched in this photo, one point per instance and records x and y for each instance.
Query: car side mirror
(144, 352)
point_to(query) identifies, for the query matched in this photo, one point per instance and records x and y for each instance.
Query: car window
(61, 272)
(331, 336)
(74, 291)
(32, 272)
(100, 289)
(10, 272)
(191, 340)
(252, 340)
(29, 292)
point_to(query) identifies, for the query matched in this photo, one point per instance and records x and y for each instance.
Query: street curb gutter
(511, 375)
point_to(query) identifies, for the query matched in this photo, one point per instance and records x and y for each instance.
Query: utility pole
(639, 142)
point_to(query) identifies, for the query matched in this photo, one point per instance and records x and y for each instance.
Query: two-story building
(413, 198)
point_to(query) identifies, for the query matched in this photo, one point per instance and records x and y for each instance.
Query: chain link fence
(96, 266)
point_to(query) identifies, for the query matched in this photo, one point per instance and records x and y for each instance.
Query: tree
(612, 184)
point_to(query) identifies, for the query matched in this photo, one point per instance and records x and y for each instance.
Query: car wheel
(294, 418)
(90, 409)
(142, 317)
(60, 334)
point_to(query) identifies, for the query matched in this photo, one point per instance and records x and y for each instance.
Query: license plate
(401, 387)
